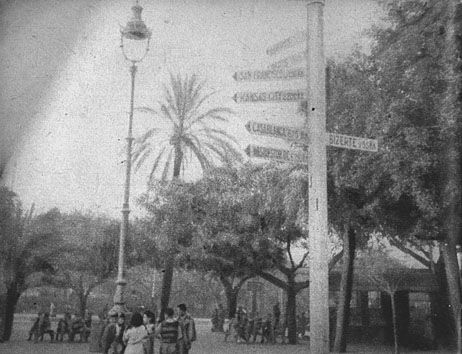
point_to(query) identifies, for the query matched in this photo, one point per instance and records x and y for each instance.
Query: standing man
(52, 309)
(109, 333)
(170, 333)
(189, 329)
(221, 318)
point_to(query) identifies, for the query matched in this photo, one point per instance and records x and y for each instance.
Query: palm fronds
(194, 130)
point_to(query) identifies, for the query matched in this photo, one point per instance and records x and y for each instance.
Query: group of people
(70, 325)
(175, 334)
(245, 327)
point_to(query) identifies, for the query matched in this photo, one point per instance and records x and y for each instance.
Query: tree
(28, 247)
(90, 256)
(408, 99)
(352, 192)
(417, 67)
(259, 210)
(194, 135)
(169, 225)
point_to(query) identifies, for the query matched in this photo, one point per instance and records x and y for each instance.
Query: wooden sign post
(317, 169)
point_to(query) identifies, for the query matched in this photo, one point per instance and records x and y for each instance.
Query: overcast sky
(65, 85)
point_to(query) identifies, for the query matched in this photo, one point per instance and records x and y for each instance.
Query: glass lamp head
(136, 29)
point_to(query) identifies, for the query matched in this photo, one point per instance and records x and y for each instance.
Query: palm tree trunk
(346, 286)
(167, 279)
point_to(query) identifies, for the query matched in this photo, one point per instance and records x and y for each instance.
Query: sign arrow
(272, 96)
(263, 152)
(299, 37)
(277, 131)
(289, 61)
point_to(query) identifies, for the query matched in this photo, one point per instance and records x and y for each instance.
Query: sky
(65, 97)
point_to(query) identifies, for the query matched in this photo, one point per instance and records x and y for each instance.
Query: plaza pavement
(207, 343)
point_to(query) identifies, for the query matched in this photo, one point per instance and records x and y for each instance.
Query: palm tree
(192, 135)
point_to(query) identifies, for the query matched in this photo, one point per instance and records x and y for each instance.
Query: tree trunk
(83, 304)
(167, 281)
(231, 301)
(346, 286)
(403, 316)
(2, 315)
(291, 310)
(450, 112)
(231, 296)
(444, 325)
(394, 321)
(12, 297)
(452, 275)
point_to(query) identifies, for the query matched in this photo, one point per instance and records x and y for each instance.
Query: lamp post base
(119, 308)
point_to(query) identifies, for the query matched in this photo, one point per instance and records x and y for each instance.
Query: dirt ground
(207, 343)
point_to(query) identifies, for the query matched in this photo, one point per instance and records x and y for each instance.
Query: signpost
(317, 138)
(276, 154)
(273, 74)
(272, 96)
(297, 38)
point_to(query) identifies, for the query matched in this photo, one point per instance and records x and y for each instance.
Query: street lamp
(134, 41)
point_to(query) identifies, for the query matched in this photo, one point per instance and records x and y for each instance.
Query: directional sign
(276, 154)
(352, 142)
(299, 37)
(277, 131)
(265, 75)
(289, 61)
(272, 96)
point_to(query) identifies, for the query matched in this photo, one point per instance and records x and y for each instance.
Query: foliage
(252, 217)
(90, 256)
(29, 246)
(409, 76)
(169, 223)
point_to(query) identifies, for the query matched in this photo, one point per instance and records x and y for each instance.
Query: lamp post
(136, 37)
